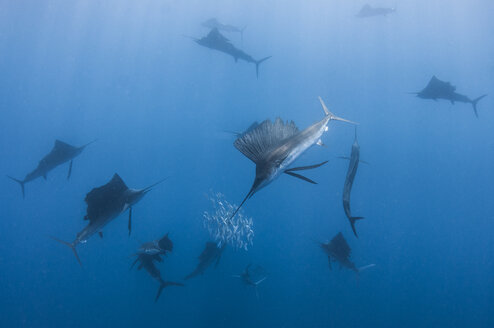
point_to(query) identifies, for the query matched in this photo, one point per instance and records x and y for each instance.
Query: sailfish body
(146, 259)
(216, 41)
(437, 89)
(60, 154)
(104, 204)
(274, 146)
(212, 253)
(350, 177)
(338, 250)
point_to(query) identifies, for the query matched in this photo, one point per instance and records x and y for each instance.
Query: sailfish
(337, 250)
(354, 160)
(60, 153)
(274, 146)
(437, 89)
(217, 41)
(151, 252)
(104, 204)
(214, 23)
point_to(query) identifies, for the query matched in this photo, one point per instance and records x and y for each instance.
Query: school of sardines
(273, 146)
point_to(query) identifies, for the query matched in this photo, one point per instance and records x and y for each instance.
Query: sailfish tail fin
(331, 115)
(353, 219)
(165, 284)
(19, 182)
(72, 246)
(474, 104)
(258, 62)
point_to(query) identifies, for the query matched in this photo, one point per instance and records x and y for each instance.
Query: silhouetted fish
(214, 23)
(104, 204)
(354, 160)
(437, 89)
(338, 250)
(61, 153)
(273, 147)
(216, 41)
(160, 246)
(211, 253)
(369, 11)
(252, 277)
(146, 261)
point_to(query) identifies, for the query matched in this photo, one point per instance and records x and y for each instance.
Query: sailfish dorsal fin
(215, 35)
(60, 145)
(339, 246)
(259, 139)
(104, 199)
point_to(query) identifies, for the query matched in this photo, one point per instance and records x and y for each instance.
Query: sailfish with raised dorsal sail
(437, 89)
(104, 204)
(274, 146)
(60, 153)
(338, 250)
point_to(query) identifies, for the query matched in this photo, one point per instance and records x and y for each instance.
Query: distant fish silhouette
(146, 262)
(156, 247)
(104, 204)
(437, 89)
(369, 11)
(216, 41)
(61, 153)
(354, 160)
(212, 253)
(252, 277)
(273, 147)
(338, 250)
(214, 23)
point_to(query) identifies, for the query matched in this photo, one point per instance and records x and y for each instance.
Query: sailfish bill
(274, 146)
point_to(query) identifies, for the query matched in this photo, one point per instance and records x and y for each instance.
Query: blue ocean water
(158, 104)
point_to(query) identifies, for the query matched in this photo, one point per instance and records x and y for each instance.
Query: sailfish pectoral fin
(70, 170)
(300, 177)
(300, 168)
(130, 220)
